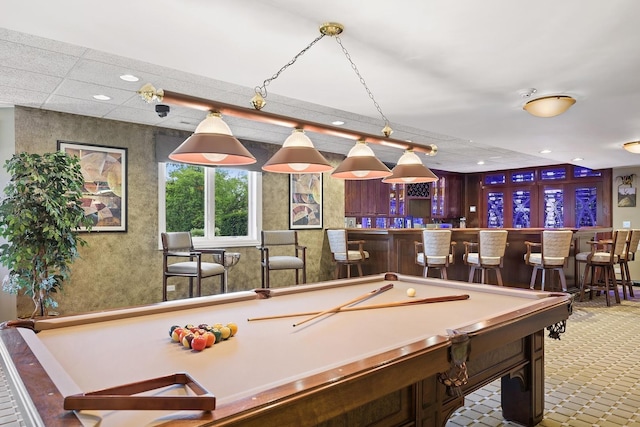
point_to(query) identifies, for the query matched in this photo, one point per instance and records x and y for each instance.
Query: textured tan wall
(631, 214)
(125, 269)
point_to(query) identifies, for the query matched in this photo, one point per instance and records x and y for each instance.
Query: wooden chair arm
(467, 246)
(216, 251)
(360, 244)
(182, 254)
(264, 252)
(302, 249)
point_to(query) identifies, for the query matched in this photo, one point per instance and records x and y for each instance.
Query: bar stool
(435, 251)
(489, 256)
(554, 252)
(604, 255)
(343, 252)
(628, 255)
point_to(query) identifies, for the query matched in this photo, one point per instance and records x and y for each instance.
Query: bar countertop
(393, 249)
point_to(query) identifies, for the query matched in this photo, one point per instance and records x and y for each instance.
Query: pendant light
(297, 155)
(410, 170)
(361, 163)
(366, 165)
(212, 144)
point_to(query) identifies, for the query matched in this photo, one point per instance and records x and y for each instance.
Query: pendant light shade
(361, 163)
(549, 106)
(297, 155)
(632, 147)
(410, 170)
(212, 144)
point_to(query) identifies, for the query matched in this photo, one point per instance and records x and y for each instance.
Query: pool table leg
(523, 389)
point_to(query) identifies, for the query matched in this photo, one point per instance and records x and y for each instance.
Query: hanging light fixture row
(213, 143)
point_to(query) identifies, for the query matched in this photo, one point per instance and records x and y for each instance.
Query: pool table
(407, 364)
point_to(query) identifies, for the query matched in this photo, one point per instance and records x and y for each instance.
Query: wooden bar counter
(394, 250)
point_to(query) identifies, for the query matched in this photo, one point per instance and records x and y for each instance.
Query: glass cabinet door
(553, 208)
(586, 206)
(521, 204)
(495, 209)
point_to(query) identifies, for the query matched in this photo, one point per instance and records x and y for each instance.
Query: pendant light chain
(262, 90)
(355, 69)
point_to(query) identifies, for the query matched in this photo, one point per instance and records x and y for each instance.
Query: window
(553, 174)
(220, 207)
(527, 176)
(499, 178)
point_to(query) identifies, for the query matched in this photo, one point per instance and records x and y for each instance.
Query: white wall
(631, 214)
(7, 148)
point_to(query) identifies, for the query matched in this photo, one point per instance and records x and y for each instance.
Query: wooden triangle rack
(122, 397)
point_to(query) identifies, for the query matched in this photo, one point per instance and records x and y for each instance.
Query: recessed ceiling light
(545, 151)
(337, 122)
(102, 97)
(129, 78)
(577, 159)
(481, 162)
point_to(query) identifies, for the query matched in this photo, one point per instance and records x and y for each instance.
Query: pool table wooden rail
(399, 386)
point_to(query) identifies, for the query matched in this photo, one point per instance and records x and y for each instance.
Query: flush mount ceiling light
(212, 144)
(547, 106)
(306, 157)
(632, 147)
(410, 170)
(361, 163)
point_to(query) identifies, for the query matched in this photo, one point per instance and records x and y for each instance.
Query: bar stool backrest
(492, 243)
(556, 245)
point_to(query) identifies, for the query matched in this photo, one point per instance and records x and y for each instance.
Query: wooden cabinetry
(550, 197)
(366, 198)
(446, 196)
(371, 198)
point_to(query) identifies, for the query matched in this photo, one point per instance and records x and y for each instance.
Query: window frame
(254, 222)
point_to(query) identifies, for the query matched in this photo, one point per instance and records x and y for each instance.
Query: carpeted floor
(592, 375)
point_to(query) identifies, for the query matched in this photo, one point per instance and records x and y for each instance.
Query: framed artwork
(105, 183)
(305, 200)
(626, 191)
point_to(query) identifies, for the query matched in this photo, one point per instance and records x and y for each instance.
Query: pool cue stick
(371, 307)
(353, 301)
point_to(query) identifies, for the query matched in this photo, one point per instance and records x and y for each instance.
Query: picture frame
(305, 201)
(105, 183)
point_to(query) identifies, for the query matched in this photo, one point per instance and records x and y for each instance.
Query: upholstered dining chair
(435, 251)
(347, 253)
(550, 254)
(628, 255)
(488, 254)
(279, 250)
(603, 256)
(179, 245)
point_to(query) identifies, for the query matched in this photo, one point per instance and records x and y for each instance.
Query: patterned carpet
(592, 375)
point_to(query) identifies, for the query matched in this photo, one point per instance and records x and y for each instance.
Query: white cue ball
(411, 292)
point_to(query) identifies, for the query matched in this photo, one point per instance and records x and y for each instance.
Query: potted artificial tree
(40, 218)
